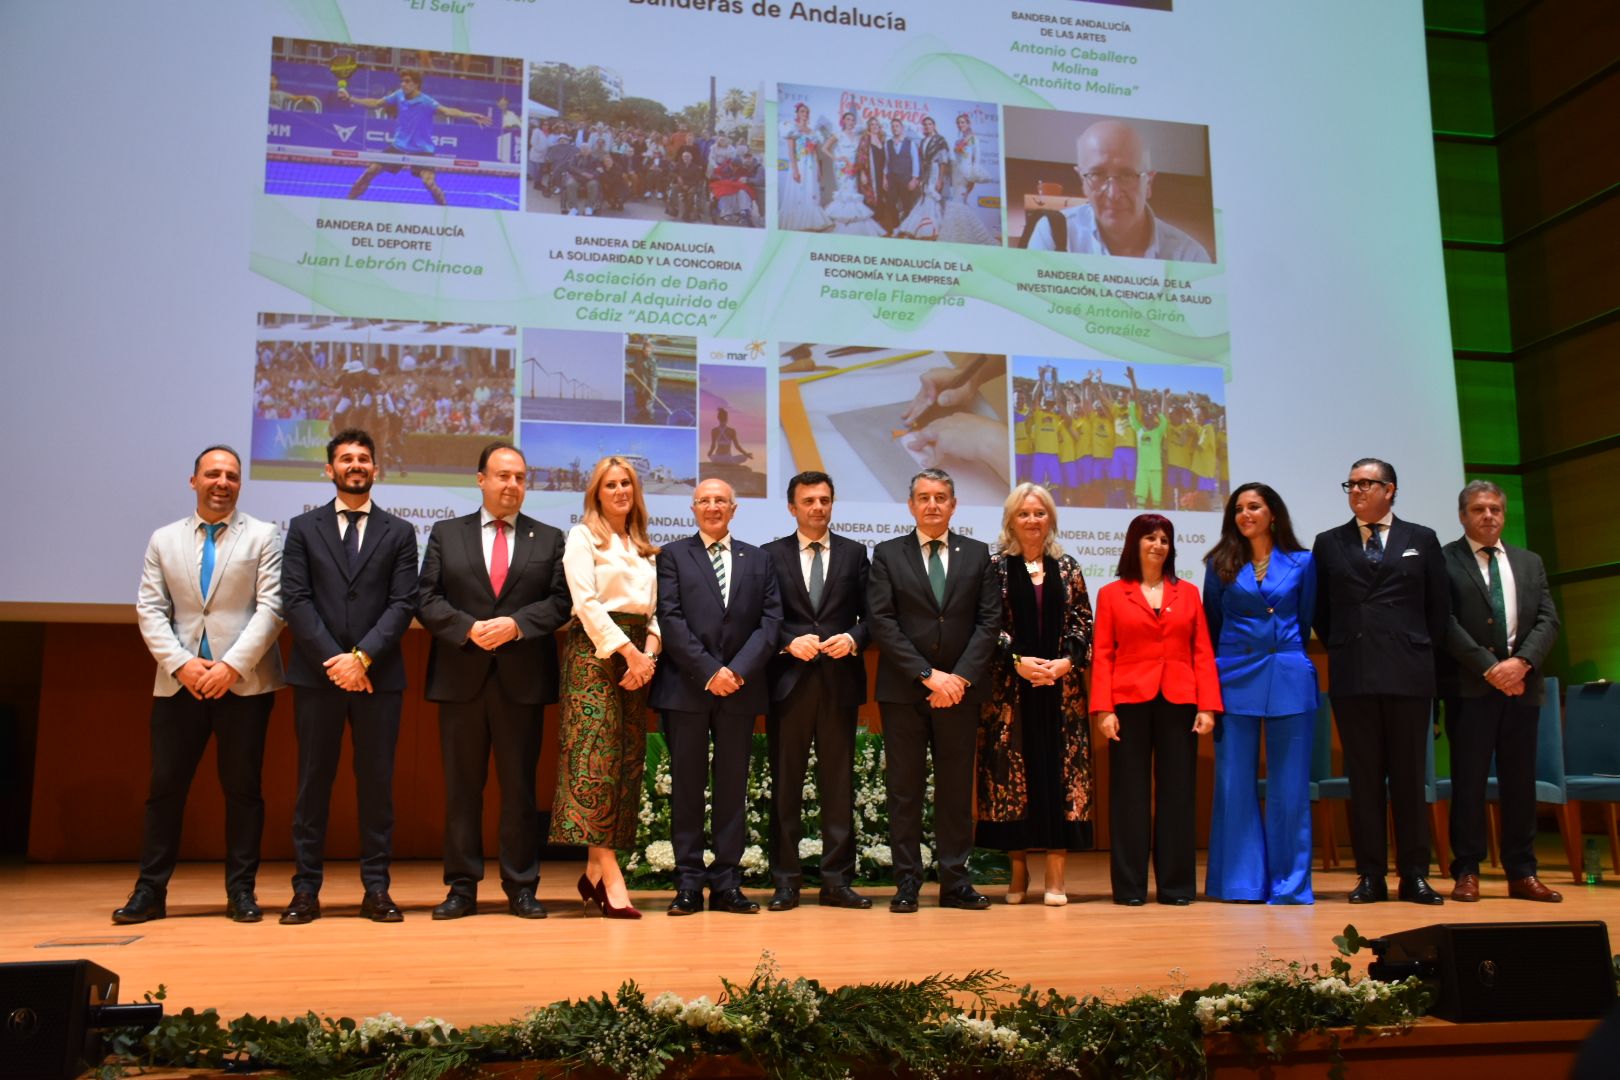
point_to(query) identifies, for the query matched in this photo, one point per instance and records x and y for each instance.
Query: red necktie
(498, 558)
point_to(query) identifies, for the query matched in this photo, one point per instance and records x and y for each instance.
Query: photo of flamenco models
(1101, 433)
(586, 394)
(645, 144)
(861, 163)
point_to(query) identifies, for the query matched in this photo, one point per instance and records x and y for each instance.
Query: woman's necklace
(1260, 567)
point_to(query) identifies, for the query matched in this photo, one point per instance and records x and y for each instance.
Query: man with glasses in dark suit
(1384, 611)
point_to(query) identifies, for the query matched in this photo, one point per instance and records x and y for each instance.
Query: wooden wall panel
(1548, 49)
(1564, 156)
(1565, 274)
(1567, 391)
(1574, 524)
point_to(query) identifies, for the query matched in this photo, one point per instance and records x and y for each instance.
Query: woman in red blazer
(1154, 690)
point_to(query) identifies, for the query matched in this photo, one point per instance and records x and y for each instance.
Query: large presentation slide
(1140, 252)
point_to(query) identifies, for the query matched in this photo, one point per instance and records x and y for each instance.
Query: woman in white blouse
(608, 661)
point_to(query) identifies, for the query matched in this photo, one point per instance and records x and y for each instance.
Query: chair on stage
(1331, 788)
(1591, 764)
(1551, 788)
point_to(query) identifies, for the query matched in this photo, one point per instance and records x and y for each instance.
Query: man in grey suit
(934, 611)
(1503, 625)
(209, 608)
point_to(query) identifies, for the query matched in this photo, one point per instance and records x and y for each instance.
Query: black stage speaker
(1505, 971)
(48, 1012)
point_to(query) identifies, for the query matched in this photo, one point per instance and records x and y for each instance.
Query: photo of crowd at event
(595, 152)
(1100, 438)
(357, 377)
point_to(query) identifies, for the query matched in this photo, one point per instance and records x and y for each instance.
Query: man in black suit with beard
(1503, 625)
(348, 588)
(818, 681)
(492, 594)
(1384, 610)
(934, 611)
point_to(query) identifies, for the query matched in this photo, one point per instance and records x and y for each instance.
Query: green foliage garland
(976, 1024)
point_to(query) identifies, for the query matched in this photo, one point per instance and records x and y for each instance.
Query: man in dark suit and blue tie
(818, 681)
(492, 593)
(348, 587)
(1384, 610)
(934, 611)
(1503, 625)
(720, 615)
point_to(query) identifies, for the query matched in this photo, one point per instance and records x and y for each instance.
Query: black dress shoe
(905, 899)
(523, 904)
(783, 899)
(1175, 901)
(844, 896)
(1369, 890)
(243, 907)
(143, 905)
(734, 901)
(380, 907)
(304, 908)
(965, 897)
(1416, 890)
(457, 905)
(686, 902)
(1130, 901)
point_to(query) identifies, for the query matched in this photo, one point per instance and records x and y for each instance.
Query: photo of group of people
(647, 392)
(385, 124)
(859, 163)
(428, 392)
(1106, 434)
(644, 146)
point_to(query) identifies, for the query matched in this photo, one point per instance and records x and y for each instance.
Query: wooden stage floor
(493, 967)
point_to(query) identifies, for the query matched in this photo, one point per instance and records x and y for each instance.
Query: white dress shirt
(725, 559)
(944, 539)
(607, 579)
(343, 522)
(486, 535)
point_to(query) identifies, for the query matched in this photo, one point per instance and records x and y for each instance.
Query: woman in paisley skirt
(1034, 770)
(608, 661)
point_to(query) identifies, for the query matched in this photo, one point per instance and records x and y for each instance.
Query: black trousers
(809, 715)
(1152, 792)
(1385, 738)
(688, 735)
(1506, 727)
(467, 732)
(181, 726)
(320, 714)
(910, 732)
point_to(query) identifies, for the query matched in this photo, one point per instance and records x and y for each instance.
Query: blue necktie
(207, 577)
(818, 574)
(1375, 546)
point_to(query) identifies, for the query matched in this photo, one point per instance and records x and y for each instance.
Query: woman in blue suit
(1259, 594)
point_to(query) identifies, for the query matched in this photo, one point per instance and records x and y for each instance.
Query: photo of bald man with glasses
(1115, 164)
(1383, 608)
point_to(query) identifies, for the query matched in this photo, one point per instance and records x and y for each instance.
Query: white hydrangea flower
(753, 858)
(878, 853)
(661, 855)
(667, 1005)
(708, 858)
(927, 855)
(809, 847)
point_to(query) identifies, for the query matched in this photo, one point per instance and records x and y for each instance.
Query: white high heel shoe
(1056, 899)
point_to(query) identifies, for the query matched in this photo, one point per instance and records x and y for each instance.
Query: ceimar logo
(344, 133)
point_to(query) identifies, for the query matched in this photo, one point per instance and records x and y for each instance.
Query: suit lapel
(522, 539)
(326, 527)
(473, 537)
(801, 591)
(376, 529)
(1466, 561)
(919, 568)
(1395, 543)
(698, 552)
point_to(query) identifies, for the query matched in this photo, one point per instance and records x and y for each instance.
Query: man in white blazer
(209, 609)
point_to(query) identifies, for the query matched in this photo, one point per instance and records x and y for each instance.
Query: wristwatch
(926, 674)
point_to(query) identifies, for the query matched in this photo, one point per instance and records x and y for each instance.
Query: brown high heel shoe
(590, 896)
(609, 911)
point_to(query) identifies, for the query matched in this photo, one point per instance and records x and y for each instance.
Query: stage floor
(493, 967)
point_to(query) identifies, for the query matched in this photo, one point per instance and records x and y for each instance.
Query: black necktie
(351, 538)
(1499, 627)
(1375, 547)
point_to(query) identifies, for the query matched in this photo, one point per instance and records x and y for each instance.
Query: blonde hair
(635, 523)
(1009, 541)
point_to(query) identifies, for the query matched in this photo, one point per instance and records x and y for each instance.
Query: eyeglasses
(712, 500)
(1125, 181)
(1363, 485)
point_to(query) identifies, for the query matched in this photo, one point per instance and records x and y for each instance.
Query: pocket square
(1409, 552)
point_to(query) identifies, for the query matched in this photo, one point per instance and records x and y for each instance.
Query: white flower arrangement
(988, 1033)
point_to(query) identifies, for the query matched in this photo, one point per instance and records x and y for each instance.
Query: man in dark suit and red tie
(719, 613)
(818, 681)
(1384, 610)
(1503, 625)
(492, 593)
(348, 588)
(934, 613)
